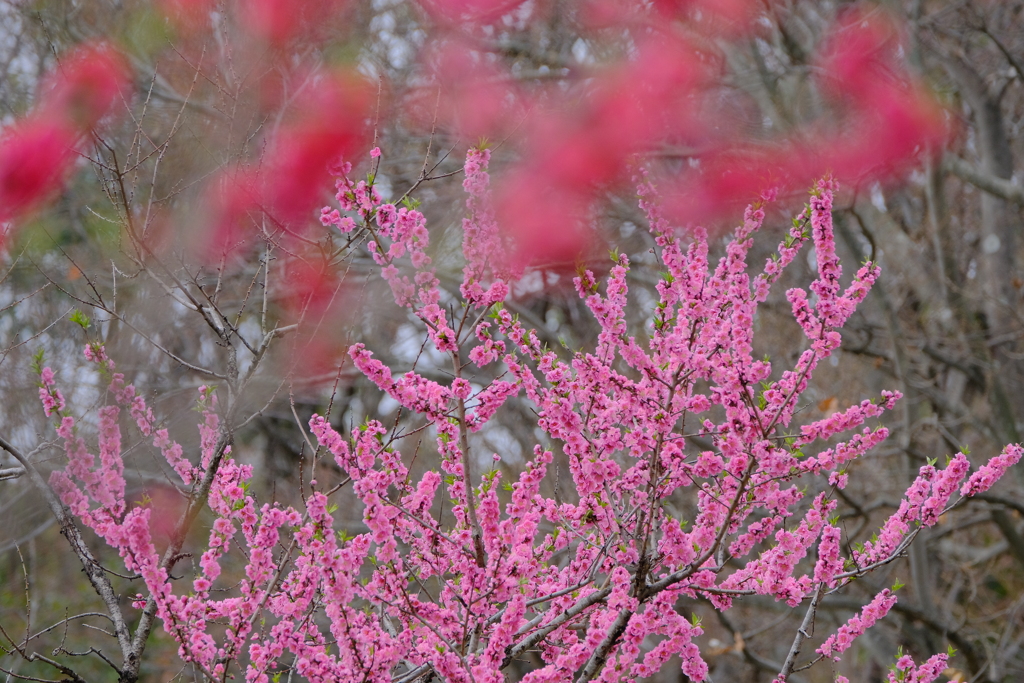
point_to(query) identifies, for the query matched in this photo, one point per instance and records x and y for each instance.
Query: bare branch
(93, 570)
(11, 473)
(998, 187)
(802, 633)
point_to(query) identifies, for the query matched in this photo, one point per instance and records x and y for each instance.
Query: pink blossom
(986, 476)
(509, 557)
(830, 561)
(841, 641)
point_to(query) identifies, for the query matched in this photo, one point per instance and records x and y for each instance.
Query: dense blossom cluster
(581, 580)
(841, 641)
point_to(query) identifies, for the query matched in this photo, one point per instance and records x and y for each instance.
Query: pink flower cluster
(906, 671)
(487, 255)
(928, 497)
(986, 476)
(586, 581)
(840, 642)
(49, 394)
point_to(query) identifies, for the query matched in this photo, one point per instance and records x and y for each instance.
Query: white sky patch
(383, 22)
(581, 52)
(500, 440)
(249, 329)
(553, 319)
(877, 198)
(383, 185)
(520, 16)
(387, 405)
(400, 53)
(408, 341)
(645, 300)
(530, 283)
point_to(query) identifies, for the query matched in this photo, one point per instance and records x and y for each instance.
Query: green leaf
(80, 319)
(37, 361)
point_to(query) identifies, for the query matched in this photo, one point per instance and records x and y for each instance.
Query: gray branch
(802, 633)
(92, 568)
(600, 655)
(11, 473)
(969, 173)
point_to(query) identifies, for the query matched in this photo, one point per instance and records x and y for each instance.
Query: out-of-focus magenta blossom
(187, 15)
(473, 96)
(469, 11)
(328, 122)
(280, 22)
(36, 155)
(38, 152)
(86, 86)
(715, 17)
(576, 144)
(233, 214)
(279, 196)
(317, 300)
(891, 120)
(570, 153)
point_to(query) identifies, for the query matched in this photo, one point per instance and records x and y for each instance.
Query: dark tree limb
(97, 576)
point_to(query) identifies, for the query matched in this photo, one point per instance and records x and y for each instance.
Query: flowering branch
(583, 584)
